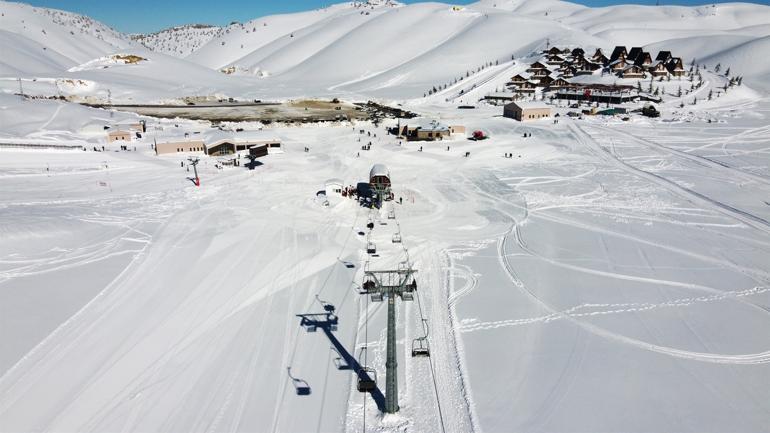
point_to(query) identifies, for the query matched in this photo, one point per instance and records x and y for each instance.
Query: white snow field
(610, 276)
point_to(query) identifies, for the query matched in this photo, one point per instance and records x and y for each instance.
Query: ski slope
(358, 50)
(610, 276)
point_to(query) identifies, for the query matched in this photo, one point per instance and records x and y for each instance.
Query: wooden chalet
(586, 68)
(658, 69)
(554, 59)
(663, 56)
(634, 53)
(518, 79)
(578, 52)
(536, 66)
(618, 65)
(525, 87)
(545, 81)
(675, 66)
(618, 53)
(552, 50)
(568, 72)
(598, 54)
(559, 83)
(644, 59)
(631, 71)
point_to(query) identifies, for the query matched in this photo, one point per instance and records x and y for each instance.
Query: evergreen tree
(727, 72)
(718, 67)
(710, 94)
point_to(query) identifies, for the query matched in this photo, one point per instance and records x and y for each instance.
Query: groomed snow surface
(609, 276)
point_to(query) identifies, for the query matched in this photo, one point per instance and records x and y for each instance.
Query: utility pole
(391, 284)
(194, 162)
(21, 89)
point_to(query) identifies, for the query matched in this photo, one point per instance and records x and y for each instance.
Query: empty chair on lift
(396, 238)
(376, 296)
(391, 214)
(371, 248)
(367, 379)
(420, 347)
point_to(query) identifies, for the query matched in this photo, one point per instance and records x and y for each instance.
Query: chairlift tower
(391, 284)
(194, 162)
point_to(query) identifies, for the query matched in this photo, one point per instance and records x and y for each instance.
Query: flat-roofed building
(218, 143)
(526, 110)
(118, 135)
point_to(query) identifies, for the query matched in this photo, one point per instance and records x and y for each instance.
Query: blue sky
(139, 16)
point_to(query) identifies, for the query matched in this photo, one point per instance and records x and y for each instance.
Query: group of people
(527, 134)
(510, 155)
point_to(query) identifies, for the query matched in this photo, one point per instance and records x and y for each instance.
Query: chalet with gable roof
(663, 56)
(618, 53)
(675, 66)
(631, 71)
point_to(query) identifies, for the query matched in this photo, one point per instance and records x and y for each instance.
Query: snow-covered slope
(378, 48)
(178, 41)
(36, 39)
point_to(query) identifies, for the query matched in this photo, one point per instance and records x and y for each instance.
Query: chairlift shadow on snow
(251, 165)
(300, 385)
(327, 322)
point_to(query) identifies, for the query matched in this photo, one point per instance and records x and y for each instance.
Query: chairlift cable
(425, 330)
(430, 362)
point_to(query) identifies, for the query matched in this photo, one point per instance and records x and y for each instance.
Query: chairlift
(396, 238)
(369, 285)
(367, 379)
(376, 296)
(391, 214)
(371, 248)
(420, 347)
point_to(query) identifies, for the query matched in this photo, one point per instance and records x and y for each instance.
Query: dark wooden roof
(663, 56)
(634, 53)
(620, 50)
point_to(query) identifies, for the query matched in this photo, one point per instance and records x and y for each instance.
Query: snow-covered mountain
(179, 41)
(374, 49)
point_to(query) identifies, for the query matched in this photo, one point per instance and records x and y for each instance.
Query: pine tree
(679, 92)
(711, 94)
(717, 68)
(727, 72)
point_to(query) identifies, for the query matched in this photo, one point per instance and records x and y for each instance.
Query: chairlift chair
(396, 238)
(371, 248)
(391, 214)
(420, 347)
(367, 379)
(376, 296)
(368, 285)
